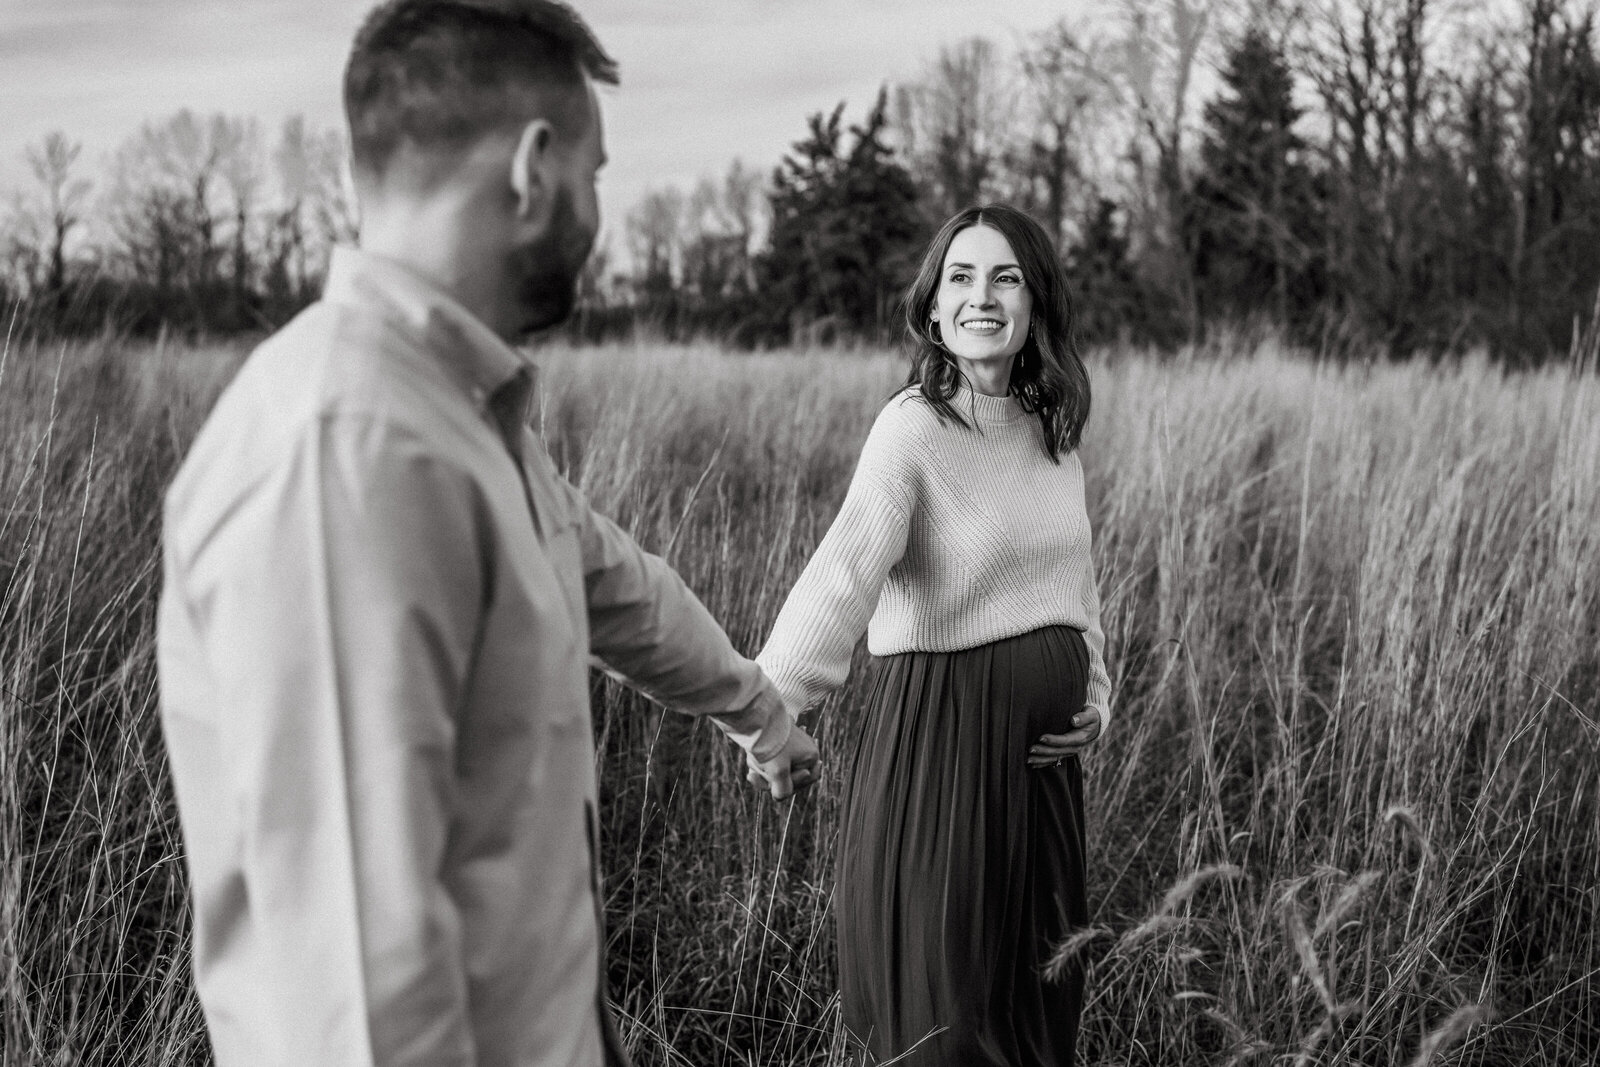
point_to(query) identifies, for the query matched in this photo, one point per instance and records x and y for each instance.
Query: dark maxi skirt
(960, 867)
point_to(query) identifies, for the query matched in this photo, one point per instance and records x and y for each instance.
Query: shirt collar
(472, 354)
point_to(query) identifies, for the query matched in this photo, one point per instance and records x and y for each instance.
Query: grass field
(1348, 813)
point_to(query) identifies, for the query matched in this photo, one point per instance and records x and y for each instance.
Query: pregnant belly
(1048, 671)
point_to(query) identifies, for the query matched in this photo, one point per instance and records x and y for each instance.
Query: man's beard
(547, 271)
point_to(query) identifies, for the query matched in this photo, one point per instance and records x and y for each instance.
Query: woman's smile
(983, 327)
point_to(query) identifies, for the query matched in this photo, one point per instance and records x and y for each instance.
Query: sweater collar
(984, 408)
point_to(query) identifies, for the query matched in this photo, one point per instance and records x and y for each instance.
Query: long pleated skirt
(961, 868)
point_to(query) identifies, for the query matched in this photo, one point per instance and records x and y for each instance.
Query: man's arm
(340, 606)
(649, 627)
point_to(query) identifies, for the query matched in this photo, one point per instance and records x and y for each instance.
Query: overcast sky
(703, 81)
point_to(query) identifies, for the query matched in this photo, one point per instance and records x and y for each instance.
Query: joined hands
(794, 768)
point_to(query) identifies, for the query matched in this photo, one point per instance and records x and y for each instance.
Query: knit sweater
(949, 537)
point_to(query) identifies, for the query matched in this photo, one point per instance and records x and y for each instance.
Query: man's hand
(794, 768)
(1051, 749)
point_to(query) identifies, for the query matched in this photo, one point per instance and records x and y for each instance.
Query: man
(380, 599)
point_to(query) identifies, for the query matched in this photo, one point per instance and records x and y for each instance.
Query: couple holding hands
(380, 601)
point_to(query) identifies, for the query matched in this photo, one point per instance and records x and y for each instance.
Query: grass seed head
(1451, 1031)
(1186, 887)
(1346, 902)
(1407, 818)
(1069, 949)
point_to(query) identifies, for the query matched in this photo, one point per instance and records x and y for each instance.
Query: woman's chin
(985, 354)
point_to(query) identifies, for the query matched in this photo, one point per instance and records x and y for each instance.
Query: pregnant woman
(962, 549)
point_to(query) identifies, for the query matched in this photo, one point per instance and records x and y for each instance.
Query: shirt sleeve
(808, 654)
(646, 624)
(339, 602)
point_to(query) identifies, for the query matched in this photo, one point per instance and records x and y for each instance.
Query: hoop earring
(935, 333)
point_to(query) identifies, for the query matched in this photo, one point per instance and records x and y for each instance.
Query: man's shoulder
(332, 365)
(335, 359)
(338, 360)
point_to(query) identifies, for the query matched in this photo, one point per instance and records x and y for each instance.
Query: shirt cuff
(762, 727)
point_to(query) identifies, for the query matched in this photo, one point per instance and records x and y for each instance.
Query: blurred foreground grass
(1347, 813)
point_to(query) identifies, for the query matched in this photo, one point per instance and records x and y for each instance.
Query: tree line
(202, 225)
(1354, 175)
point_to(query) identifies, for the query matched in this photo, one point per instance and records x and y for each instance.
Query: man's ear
(532, 176)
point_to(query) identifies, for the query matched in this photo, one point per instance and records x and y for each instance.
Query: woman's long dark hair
(1048, 377)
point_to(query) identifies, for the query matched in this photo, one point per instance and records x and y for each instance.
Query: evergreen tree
(1252, 212)
(1107, 298)
(845, 234)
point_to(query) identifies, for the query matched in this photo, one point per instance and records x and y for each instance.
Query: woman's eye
(959, 276)
(1009, 279)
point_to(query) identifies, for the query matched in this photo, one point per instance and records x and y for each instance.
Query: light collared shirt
(373, 643)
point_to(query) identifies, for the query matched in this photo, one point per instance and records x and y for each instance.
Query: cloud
(703, 81)
(98, 69)
(714, 80)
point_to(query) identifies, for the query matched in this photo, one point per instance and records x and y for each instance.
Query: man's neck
(429, 242)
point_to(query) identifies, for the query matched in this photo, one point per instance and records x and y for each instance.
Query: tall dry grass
(1347, 814)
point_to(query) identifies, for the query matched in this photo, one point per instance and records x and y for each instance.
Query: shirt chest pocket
(543, 564)
(529, 687)
(559, 529)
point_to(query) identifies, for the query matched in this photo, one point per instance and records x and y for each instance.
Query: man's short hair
(442, 73)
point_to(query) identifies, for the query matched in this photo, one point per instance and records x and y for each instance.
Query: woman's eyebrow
(997, 266)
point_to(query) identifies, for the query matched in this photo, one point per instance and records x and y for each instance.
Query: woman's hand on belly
(1051, 749)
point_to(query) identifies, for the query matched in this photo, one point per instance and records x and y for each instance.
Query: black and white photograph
(821, 533)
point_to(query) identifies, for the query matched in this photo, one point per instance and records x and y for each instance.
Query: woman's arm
(1098, 693)
(1089, 724)
(808, 654)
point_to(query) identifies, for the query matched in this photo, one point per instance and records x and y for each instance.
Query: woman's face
(983, 304)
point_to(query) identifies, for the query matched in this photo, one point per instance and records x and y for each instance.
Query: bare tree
(187, 152)
(594, 281)
(286, 258)
(52, 163)
(744, 213)
(1382, 98)
(1155, 61)
(334, 205)
(20, 241)
(1554, 172)
(242, 170)
(744, 201)
(655, 234)
(706, 247)
(162, 203)
(1067, 95)
(316, 211)
(955, 125)
(717, 232)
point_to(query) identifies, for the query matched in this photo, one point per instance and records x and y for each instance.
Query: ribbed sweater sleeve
(808, 654)
(1098, 692)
